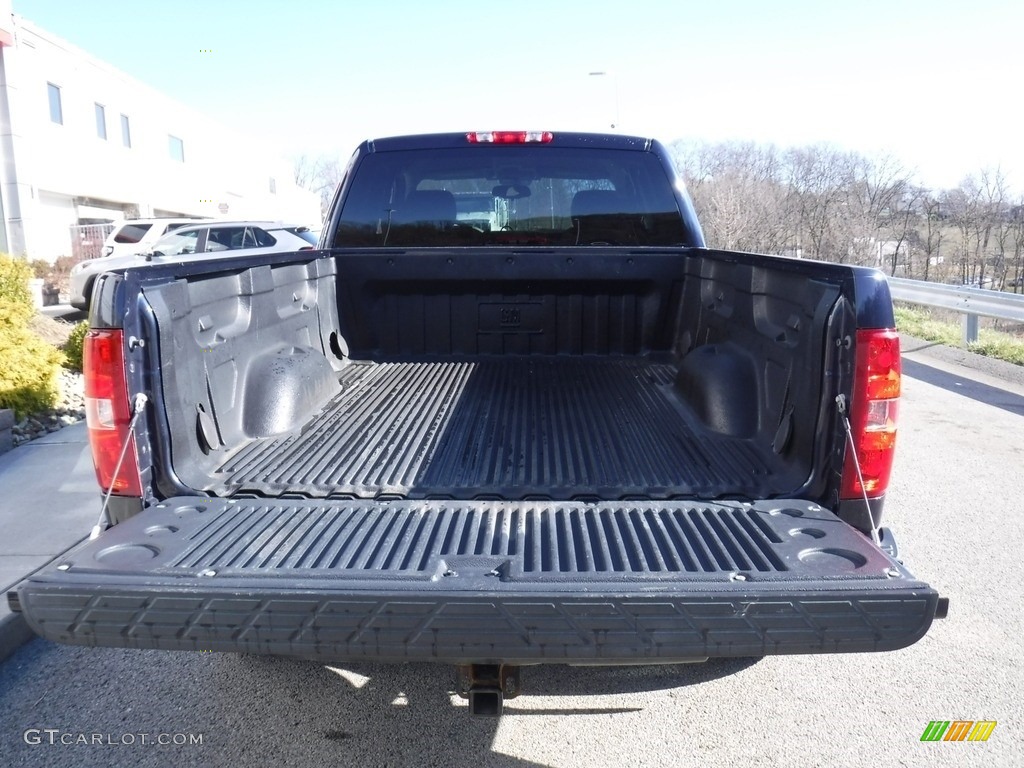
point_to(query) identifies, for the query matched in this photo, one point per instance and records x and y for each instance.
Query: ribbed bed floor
(513, 429)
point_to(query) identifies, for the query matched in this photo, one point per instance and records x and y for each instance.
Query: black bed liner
(611, 428)
(490, 582)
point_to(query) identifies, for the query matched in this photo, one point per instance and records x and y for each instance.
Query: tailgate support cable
(104, 520)
(841, 402)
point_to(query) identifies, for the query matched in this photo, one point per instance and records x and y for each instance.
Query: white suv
(189, 240)
(137, 235)
(128, 237)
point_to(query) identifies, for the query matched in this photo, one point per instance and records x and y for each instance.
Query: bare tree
(320, 174)
(1016, 228)
(306, 169)
(739, 195)
(842, 206)
(933, 232)
(889, 205)
(961, 205)
(898, 222)
(978, 210)
(829, 213)
(991, 218)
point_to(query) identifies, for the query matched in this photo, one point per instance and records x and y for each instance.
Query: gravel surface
(70, 409)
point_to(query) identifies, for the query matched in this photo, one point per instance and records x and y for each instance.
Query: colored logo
(958, 730)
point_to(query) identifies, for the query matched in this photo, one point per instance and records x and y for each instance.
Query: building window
(56, 113)
(177, 148)
(273, 185)
(101, 121)
(126, 132)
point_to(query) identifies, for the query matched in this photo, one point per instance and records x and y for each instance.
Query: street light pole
(615, 88)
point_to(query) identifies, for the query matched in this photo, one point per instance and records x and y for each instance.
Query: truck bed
(503, 428)
(628, 375)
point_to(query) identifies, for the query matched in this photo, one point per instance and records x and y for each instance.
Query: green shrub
(28, 365)
(14, 276)
(73, 346)
(41, 268)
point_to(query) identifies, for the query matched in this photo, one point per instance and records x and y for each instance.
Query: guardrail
(972, 302)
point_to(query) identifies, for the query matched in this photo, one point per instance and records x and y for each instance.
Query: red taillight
(873, 410)
(510, 137)
(108, 412)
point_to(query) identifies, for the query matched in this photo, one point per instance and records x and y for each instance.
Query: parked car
(128, 238)
(191, 239)
(138, 235)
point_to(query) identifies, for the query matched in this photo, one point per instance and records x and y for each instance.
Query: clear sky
(937, 84)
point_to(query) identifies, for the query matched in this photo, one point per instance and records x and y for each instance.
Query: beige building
(83, 143)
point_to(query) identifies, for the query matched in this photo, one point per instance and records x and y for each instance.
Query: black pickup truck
(512, 412)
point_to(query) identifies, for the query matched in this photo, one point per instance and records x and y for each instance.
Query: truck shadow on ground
(417, 702)
(975, 390)
(255, 710)
(426, 680)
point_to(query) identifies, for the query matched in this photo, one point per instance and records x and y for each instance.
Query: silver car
(196, 241)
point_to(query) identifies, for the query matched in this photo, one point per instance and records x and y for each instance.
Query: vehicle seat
(430, 206)
(215, 241)
(603, 216)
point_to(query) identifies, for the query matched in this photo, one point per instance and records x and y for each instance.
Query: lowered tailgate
(481, 581)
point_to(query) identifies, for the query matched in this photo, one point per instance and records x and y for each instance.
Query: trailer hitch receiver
(486, 686)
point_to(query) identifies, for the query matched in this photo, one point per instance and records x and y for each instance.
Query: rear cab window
(514, 195)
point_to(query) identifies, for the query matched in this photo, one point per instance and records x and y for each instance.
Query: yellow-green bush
(14, 276)
(28, 365)
(73, 346)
